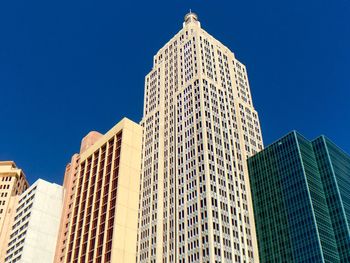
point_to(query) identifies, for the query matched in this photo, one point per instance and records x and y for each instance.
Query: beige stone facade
(199, 128)
(102, 215)
(12, 184)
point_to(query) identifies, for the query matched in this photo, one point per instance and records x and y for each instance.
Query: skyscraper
(199, 128)
(12, 184)
(334, 167)
(35, 226)
(301, 194)
(102, 201)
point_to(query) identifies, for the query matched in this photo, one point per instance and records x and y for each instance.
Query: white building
(35, 227)
(200, 126)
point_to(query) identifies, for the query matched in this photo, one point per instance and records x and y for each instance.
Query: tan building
(102, 183)
(12, 184)
(199, 128)
(69, 186)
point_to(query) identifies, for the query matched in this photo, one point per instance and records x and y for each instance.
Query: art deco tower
(200, 126)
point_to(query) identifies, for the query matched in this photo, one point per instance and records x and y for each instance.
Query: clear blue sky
(68, 67)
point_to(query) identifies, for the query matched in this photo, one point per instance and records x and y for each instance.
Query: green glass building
(301, 197)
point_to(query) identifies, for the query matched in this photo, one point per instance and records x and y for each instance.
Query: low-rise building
(12, 183)
(35, 226)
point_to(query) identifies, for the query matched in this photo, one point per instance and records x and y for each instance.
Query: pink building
(69, 185)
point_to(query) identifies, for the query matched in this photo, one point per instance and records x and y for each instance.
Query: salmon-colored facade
(69, 185)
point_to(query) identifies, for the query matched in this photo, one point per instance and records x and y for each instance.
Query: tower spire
(191, 17)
